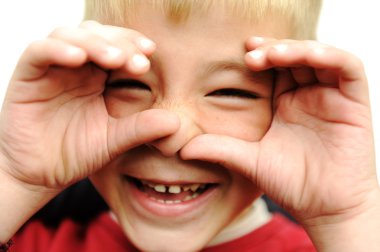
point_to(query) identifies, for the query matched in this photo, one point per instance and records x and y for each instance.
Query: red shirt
(103, 234)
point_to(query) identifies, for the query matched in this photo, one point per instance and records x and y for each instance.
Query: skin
(184, 82)
(316, 159)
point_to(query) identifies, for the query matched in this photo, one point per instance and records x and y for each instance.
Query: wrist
(18, 202)
(357, 230)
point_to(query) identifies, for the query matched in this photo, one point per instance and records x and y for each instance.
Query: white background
(349, 24)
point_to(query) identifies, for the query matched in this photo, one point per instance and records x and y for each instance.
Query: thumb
(139, 128)
(231, 153)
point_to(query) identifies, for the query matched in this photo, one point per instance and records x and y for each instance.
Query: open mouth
(173, 193)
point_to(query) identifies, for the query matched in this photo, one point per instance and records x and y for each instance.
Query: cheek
(118, 106)
(107, 181)
(249, 124)
(241, 193)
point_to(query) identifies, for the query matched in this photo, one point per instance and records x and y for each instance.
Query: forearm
(17, 204)
(359, 233)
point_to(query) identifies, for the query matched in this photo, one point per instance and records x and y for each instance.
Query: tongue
(166, 196)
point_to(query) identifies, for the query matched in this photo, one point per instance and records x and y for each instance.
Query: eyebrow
(222, 65)
(217, 66)
(213, 67)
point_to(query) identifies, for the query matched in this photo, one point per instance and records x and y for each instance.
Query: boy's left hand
(317, 159)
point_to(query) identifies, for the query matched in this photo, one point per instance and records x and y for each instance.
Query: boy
(182, 134)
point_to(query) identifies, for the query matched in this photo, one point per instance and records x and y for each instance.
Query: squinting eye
(232, 92)
(129, 84)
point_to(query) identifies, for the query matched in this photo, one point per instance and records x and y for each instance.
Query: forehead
(221, 18)
(179, 11)
(122, 12)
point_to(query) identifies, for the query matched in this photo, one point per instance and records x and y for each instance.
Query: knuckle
(89, 24)
(59, 32)
(357, 61)
(131, 33)
(312, 44)
(127, 35)
(37, 45)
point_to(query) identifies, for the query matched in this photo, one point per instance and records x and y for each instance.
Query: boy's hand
(54, 125)
(317, 158)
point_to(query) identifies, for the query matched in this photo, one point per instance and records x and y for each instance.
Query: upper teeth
(160, 188)
(175, 189)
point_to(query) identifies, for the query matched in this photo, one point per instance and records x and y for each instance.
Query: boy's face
(198, 73)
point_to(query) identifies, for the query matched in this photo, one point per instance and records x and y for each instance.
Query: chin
(169, 240)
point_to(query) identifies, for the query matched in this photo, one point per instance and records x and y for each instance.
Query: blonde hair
(302, 15)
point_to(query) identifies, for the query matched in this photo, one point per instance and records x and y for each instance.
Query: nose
(189, 128)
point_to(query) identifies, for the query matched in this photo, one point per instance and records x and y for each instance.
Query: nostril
(170, 145)
(165, 147)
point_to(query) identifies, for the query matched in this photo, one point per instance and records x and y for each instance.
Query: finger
(143, 127)
(39, 55)
(232, 153)
(120, 35)
(284, 83)
(283, 53)
(326, 76)
(304, 75)
(98, 49)
(137, 63)
(335, 63)
(102, 52)
(253, 42)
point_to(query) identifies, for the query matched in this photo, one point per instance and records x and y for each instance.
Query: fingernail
(113, 52)
(281, 47)
(256, 54)
(146, 44)
(257, 39)
(139, 61)
(73, 50)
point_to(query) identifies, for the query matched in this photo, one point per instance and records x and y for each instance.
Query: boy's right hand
(54, 126)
